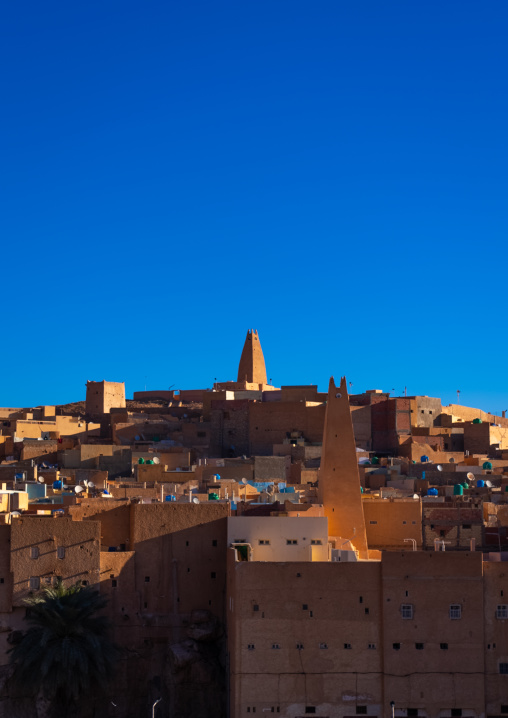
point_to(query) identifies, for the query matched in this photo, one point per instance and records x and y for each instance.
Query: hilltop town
(268, 549)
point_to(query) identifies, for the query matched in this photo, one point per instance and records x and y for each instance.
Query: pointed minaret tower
(252, 362)
(339, 478)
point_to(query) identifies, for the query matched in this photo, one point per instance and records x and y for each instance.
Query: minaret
(252, 362)
(339, 478)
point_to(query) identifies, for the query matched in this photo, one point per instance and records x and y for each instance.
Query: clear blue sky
(332, 173)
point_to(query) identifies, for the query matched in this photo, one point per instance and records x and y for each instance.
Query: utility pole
(458, 396)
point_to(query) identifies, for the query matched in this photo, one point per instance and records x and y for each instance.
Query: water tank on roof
(477, 421)
(57, 484)
(171, 497)
(213, 497)
(458, 490)
(361, 489)
(480, 483)
(465, 485)
(487, 465)
(151, 462)
(424, 459)
(141, 460)
(432, 492)
(375, 460)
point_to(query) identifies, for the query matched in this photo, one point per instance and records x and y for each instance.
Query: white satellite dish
(91, 485)
(439, 467)
(40, 479)
(244, 481)
(470, 475)
(489, 484)
(64, 486)
(78, 489)
(15, 513)
(195, 501)
(156, 460)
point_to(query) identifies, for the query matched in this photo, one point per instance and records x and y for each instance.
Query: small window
(85, 583)
(114, 583)
(60, 552)
(251, 647)
(1, 580)
(310, 709)
(305, 606)
(214, 542)
(412, 712)
(291, 542)
(443, 646)
(372, 646)
(347, 646)
(186, 543)
(373, 522)
(35, 582)
(419, 646)
(147, 579)
(299, 646)
(467, 526)
(502, 611)
(316, 542)
(396, 646)
(213, 574)
(503, 668)
(255, 607)
(361, 710)
(275, 646)
(406, 610)
(34, 552)
(456, 712)
(264, 542)
(366, 611)
(404, 523)
(323, 646)
(504, 709)
(455, 611)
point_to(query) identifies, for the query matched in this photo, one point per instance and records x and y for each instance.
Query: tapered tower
(252, 362)
(339, 478)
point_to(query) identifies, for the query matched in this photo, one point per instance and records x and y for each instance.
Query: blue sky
(332, 173)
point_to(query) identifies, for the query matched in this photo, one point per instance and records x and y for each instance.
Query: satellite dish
(415, 496)
(65, 486)
(85, 482)
(470, 475)
(40, 479)
(156, 460)
(91, 485)
(489, 484)
(244, 481)
(137, 438)
(78, 489)
(195, 501)
(439, 467)
(15, 513)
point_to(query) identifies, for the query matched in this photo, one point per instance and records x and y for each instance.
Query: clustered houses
(268, 549)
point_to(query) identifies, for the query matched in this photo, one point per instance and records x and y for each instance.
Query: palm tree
(67, 652)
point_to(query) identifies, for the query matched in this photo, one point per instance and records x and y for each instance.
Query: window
(456, 712)
(316, 542)
(114, 583)
(419, 646)
(503, 668)
(466, 526)
(443, 646)
(412, 712)
(406, 610)
(251, 646)
(504, 709)
(396, 646)
(35, 582)
(34, 552)
(186, 543)
(310, 709)
(323, 645)
(361, 710)
(201, 434)
(213, 574)
(255, 607)
(372, 646)
(299, 646)
(214, 542)
(275, 646)
(291, 542)
(372, 522)
(60, 552)
(502, 611)
(85, 583)
(347, 646)
(455, 611)
(305, 606)
(366, 611)
(147, 579)
(1, 580)
(404, 522)
(264, 542)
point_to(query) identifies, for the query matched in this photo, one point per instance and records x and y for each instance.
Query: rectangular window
(310, 709)
(502, 611)
(60, 552)
(503, 668)
(213, 575)
(316, 542)
(347, 646)
(372, 646)
(406, 610)
(419, 646)
(504, 709)
(412, 712)
(264, 542)
(299, 646)
(373, 522)
(396, 646)
(147, 579)
(255, 607)
(35, 582)
(214, 542)
(275, 646)
(443, 646)
(291, 542)
(456, 712)
(466, 526)
(34, 552)
(366, 611)
(251, 646)
(114, 583)
(1, 580)
(361, 710)
(455, 611)
(323, 645)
